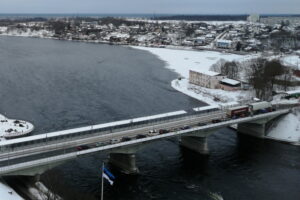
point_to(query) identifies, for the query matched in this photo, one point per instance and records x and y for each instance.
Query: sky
(152, 6)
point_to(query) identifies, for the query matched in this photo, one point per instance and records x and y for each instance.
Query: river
(59, 84)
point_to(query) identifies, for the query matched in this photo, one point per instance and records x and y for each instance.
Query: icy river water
(58, 85)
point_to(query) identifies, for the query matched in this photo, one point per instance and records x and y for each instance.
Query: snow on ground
(11, 127)
(7, 193)
(288, 128)
(210, 96)
(183, 60)
(27, 33)
(3, 29)
(291, 60)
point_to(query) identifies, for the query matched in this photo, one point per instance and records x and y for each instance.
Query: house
(225, 44)
(208, 79)
(230, 84)
(199, 41)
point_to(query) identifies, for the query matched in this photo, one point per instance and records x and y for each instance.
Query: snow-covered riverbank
(181, 61)
(7, 193)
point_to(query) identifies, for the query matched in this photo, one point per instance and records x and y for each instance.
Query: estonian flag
(108, 176)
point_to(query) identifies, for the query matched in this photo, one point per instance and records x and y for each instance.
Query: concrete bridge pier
(124, 158)
(258, 128)
(197, 141)
(125, 162)
(196, 144)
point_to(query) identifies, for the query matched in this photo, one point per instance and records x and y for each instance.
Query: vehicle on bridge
(239, 111)
(162, 131)
(114, 141)
(260, 107)
(250, 109)
(125, 139)
(140, 136)
(82, 147)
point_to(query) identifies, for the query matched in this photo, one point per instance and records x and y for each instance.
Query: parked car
(82, 147)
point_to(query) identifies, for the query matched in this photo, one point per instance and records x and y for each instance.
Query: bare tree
(263, 74)
(230, 69)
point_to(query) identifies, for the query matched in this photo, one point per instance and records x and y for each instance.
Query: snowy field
(181, 61)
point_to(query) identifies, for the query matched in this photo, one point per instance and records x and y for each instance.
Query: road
(61, 147)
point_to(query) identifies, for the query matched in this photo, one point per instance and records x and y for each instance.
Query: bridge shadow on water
(193, 161)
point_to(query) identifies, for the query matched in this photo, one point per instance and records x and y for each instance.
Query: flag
(108, 176)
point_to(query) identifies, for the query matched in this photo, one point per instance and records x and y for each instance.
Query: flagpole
(102, 181)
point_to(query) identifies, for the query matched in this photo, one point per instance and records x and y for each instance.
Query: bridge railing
(98, 132)
(9, 161)
(10, 166)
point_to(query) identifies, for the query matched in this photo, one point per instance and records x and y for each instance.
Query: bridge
(33, 155)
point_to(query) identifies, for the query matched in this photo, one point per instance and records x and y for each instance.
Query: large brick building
(208, 79)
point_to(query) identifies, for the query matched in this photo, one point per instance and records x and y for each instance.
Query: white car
(152, 132)
(114, 141)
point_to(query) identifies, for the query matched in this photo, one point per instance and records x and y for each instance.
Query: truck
(260, 107)
(239, 111)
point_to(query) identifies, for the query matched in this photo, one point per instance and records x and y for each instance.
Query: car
(153, 131)
(201, 124)
(185, 127)
(125, 139)
(82, 147)
(98, 144)
(114, 141)
(216, 120)
(139, 136)
(162, 131)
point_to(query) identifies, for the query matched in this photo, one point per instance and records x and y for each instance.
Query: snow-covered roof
(293, 92)
(224, 41)
(230, 81)
(206, 72)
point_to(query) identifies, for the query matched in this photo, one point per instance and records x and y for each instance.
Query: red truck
(236, 112)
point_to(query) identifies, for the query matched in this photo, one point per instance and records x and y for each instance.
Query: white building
(225, 44)
(208, 79)
(253, 18)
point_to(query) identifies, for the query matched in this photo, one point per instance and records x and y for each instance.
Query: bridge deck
(28, 156)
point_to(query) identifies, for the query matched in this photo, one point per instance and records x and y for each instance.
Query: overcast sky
(152, 6)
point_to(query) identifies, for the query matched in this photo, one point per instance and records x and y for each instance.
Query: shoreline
(171, 47)
(208, 95)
